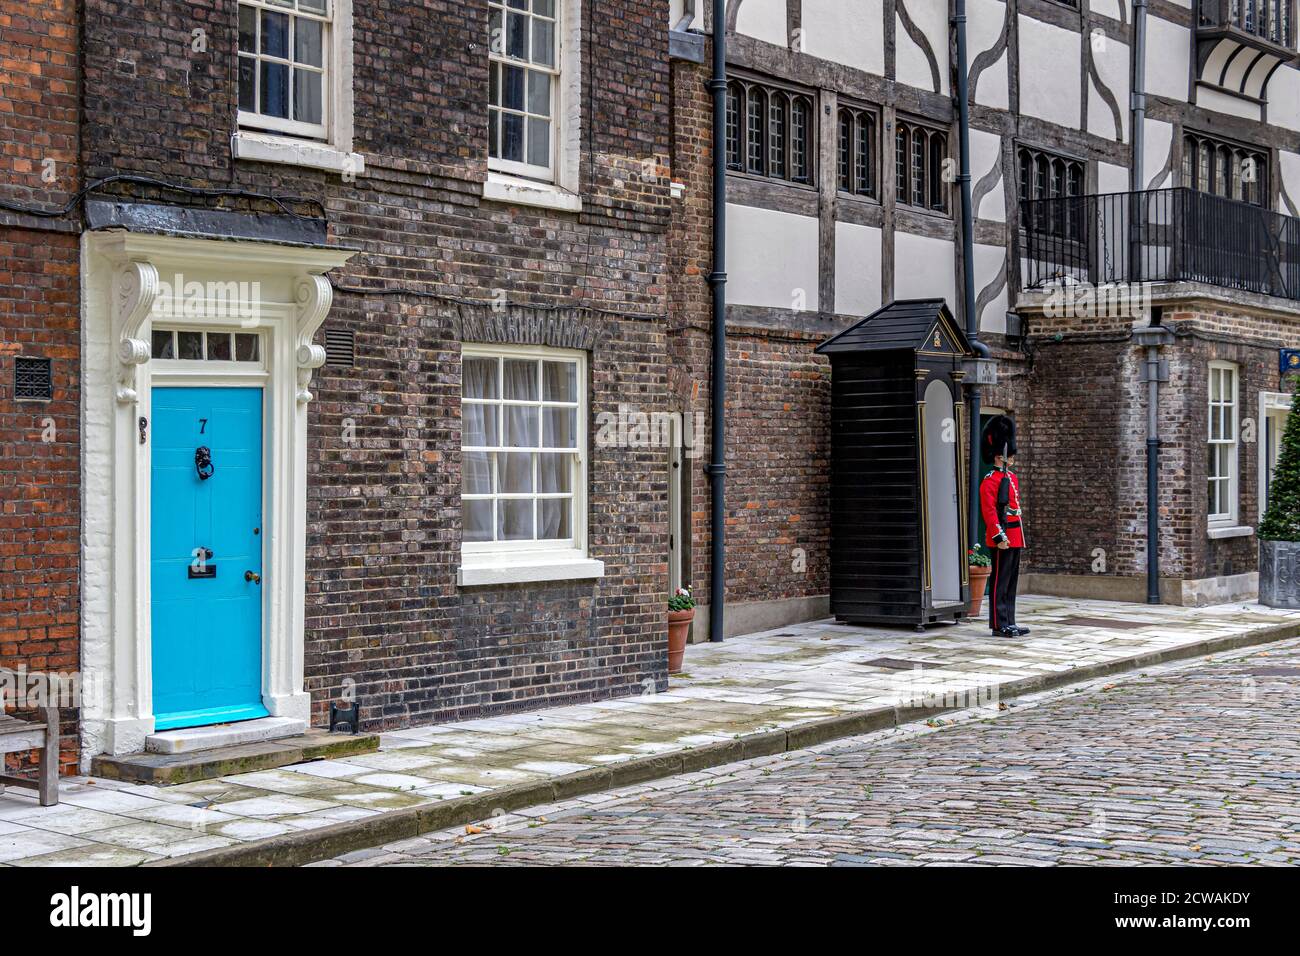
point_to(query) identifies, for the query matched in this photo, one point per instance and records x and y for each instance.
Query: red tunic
(995, 529)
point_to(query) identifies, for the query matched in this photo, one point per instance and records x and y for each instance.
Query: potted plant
(981, 566)
(1279, 530)
(681, 611)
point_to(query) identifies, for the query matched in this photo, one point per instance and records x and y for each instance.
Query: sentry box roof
(912, 325)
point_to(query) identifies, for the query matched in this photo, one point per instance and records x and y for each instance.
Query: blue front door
(206, 562)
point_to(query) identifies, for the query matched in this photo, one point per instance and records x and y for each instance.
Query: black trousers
(1002, 587)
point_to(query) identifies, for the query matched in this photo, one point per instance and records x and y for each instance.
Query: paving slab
(750, 697)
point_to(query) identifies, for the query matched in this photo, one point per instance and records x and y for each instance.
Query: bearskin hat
(999, 438)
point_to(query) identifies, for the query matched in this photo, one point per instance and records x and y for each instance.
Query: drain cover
(1114, 623)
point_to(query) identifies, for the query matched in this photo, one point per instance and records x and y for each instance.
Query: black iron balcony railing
(1160, 235)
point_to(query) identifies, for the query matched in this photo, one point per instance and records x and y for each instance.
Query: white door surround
(124, 276)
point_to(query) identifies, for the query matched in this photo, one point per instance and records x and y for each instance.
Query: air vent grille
(340, 347)
(33, 378)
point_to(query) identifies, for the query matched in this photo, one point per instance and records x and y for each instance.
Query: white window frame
(507, 562)
(555, 187)
(1228, 411)
(326, 146)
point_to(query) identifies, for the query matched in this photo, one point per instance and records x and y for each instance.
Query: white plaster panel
(1050, 61)
(771, 258)
(984, 24)
(989, 261)
(913, 66)
(1112, 62)
(845, 31)
(1167, 70)
(1115, 9)
(985, 154)
(857, 269)
(1212, 99)
(1289, 166)
(925, 267)
(1158, 138)
(763, 20)
(1112, 178)
(1284, 98)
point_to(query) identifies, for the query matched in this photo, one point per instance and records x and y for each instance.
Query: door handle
(253, 576)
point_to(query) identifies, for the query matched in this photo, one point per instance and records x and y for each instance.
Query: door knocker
(203, 462)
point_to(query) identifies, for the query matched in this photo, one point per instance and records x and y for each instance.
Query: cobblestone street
(1197, 762)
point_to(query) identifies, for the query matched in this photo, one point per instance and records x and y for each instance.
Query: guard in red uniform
(1005, 534)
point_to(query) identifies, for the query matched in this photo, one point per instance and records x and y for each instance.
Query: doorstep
(168, 769)
(216, 736)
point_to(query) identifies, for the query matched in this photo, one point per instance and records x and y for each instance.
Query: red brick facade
(40, 463)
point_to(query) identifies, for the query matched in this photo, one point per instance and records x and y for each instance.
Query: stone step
(168, 769)
(216, 736)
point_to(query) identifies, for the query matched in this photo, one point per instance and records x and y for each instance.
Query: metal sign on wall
(1288, 360)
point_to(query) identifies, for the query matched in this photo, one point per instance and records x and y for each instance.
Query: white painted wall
(925, 267)
(1112, 8)
(1112, 178)
(1211, 99)
(857, 269)
(845, 31)
(913, 66)
(1168, 52)
(1112, 61)
(1284, 98)
(1158, 137)
(1289, 166)
(771, 258)
(984, 23)
(677, 10)
(988, 261)
(1050, 61)
(764, 20)
(986, 154)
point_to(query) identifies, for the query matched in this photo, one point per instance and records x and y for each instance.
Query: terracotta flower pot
(679, 627)
(979, 579)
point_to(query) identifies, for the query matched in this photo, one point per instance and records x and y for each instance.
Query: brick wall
(778, 398)
(39, 440)
(385, 617)
(1083, 450)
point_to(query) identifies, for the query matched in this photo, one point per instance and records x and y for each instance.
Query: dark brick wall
(384, 615)
(39, 440)
(778, 398)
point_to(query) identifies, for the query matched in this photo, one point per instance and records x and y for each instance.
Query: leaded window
(770, 131)
(1230, 170)
(921, 164)
(858, 145)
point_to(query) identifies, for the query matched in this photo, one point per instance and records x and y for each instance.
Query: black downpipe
(718, 284)
(968, 267)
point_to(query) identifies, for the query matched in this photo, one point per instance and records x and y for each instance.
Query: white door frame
(125, 280)
(1268, 402)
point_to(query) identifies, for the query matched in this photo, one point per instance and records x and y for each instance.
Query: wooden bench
(16, 735)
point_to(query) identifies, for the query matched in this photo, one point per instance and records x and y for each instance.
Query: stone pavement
(740, 690)
(1192, 763)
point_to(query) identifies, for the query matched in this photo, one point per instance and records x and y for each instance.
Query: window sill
(268, 148)
(524, 192)
(1229, 531)
(524, 569)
